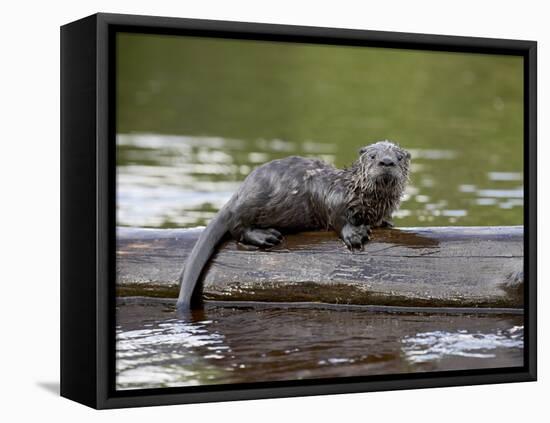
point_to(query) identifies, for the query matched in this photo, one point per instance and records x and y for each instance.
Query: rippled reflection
(233, 345)
(438, 345)
(182, 181)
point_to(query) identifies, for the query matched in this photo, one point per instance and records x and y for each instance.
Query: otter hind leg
(261, 237)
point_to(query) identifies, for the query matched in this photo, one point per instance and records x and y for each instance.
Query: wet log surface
(471, 267)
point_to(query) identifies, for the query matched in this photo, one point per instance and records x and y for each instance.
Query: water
(182, 181)
(196, 115)
(236, 345)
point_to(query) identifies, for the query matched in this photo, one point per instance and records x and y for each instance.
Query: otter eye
(399, 157)
(372, 156)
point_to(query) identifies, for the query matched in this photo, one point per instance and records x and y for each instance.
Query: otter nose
(386, 161)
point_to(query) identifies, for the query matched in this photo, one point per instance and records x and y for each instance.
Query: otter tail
(200, 254)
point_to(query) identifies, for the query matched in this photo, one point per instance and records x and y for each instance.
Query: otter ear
(362, 150)
(407, 154)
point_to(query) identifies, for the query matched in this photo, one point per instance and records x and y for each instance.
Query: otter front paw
(355, 236)
(386, 224)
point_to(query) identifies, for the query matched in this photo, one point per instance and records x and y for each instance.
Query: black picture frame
(88, 209)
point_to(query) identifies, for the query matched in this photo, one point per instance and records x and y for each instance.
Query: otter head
(385, 163)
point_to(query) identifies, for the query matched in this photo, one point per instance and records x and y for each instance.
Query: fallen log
(462, 267)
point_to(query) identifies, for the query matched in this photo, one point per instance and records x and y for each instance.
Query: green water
(195, 115)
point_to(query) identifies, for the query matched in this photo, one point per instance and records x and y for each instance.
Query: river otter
(297, 194)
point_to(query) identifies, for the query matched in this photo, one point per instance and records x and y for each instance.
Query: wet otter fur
(297, 194)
